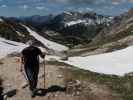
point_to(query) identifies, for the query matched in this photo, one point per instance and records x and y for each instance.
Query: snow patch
(1, 20)
(68, 13)
(115, 63)
(52, 58)
(74, 22)
(12, 42)
(8, 47)
(49, 44)
(20, 34)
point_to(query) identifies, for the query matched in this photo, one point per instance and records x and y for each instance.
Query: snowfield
(115, 63)
(49, 44)
(8, 47)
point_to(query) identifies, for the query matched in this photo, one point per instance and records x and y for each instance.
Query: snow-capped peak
(74, 22)
(68, 13)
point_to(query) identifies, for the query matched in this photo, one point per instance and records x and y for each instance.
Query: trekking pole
(44, 73)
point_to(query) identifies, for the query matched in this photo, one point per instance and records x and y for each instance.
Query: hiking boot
(32, 93)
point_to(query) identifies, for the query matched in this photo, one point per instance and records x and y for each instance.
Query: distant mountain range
(69, 28)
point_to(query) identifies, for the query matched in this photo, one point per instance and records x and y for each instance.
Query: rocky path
(56, 80)
(13, 79)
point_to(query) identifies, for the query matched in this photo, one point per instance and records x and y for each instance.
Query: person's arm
(42, 54)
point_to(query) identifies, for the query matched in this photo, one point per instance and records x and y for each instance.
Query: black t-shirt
(31, 55)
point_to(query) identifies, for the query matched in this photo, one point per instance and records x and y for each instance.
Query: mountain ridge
(72, 28)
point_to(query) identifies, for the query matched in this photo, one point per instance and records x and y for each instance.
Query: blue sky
(44, 7)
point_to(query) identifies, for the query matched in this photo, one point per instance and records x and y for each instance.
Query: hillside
(118, 35)
(122, 27)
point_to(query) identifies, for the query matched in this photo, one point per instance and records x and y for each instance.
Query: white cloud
(108, 7)
(117, 2)
(24, 6)
(100, 10)
(84, 9)
(59, 1)
(3, 6)
(40, 7)
(89, 9)
(70, 8)
(131, 1)
(124, 10)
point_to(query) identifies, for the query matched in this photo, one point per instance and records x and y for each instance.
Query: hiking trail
(55, 81)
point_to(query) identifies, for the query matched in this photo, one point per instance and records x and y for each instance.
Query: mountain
(13, 31)
(88, 29)
(118, 35)
(70, 28)
(78, 28)
(121, 27)
(36, 21)
(16, 31)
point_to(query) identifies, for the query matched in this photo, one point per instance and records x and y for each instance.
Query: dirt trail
(13, 79)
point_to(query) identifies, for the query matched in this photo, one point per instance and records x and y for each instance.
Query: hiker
(1, 90)
(30, 60)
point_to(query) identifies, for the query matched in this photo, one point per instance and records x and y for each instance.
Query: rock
(5, 97)
(77, 83)
(24, 85)
(41, 76)
(64, 58)
(73, 87)
(1, 63)
(59, 76)
(10, 93)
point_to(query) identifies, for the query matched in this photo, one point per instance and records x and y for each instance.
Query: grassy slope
(121, 86)
(110, 43)
(9, 32)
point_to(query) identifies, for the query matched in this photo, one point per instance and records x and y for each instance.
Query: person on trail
(30, 60)
(1, 90)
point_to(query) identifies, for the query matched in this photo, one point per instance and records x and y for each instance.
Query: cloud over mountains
(52, 6)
